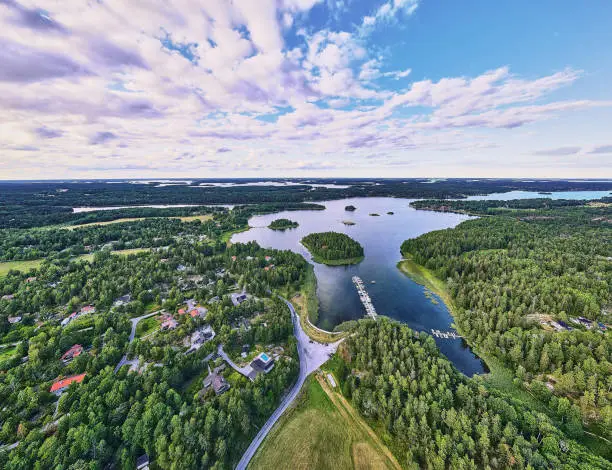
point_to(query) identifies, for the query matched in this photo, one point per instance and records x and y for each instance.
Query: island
(390, 213)
(282, 224)
(348, 222)
(332, 248)
(374, 214)
(350, 208)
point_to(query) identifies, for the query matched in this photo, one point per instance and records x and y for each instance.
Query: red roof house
(182, 311)
(73, 352)
(63, 384)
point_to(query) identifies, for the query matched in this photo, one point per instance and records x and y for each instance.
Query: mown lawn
(146, 326)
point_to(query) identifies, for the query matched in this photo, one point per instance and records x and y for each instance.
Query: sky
(305, 88)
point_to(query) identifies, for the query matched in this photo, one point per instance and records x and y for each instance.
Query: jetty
(364, 297)
(445, 334)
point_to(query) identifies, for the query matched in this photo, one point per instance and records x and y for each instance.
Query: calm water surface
(393, 293)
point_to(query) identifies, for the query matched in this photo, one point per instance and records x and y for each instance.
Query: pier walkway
(364, 297)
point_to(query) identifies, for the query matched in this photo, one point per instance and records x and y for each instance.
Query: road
(246, 371)
(134, 322)
(312, 355)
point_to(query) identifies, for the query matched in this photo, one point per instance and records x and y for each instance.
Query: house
(182, 311)
(220, 385)
(245, 351)
(268, 258)
(88, 309)
(191, 304)
(214, 300)
(199, 312)
(233, 258)
(168, 323)
(8, 297)
(73, 352)
(61, 385)
(262, 363)
(13, 320)
(181, 268)
(208, 381)
(124, 299)
(142, 462)
(31, 279)
(237, 299)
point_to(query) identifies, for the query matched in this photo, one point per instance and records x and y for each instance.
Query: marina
(364, 297)
(445, 334)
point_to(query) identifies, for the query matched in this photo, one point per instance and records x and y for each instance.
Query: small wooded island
(333, 248)
(350, 208)
(282, 224)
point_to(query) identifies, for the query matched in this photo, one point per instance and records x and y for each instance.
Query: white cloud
(173, 82)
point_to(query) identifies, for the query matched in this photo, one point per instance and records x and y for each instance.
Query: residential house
(8, 297)
(13, 320)
(123, 300)
(168, 323)
(237, 299)
(142, 462)
(73, 352)
(220, 385)
(61, 385)
(88, 309)
(262, 363)
(31, 279)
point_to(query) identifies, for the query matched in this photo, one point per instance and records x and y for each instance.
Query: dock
(445, 334)
(364, 297)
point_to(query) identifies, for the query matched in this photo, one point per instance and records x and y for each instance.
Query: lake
(393, 294)
(572, 195)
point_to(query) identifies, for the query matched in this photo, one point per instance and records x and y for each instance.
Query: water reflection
(392, 293)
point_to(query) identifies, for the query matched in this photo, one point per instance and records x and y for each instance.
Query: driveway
(312, 356)
(134, 322)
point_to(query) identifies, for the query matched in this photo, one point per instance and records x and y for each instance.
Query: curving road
(312, 355)
(134, 322)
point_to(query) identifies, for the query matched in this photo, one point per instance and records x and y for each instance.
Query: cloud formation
(195, 85)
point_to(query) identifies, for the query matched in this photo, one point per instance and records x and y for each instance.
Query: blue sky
(303, 88)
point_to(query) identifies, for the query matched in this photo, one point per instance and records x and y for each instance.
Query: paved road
(241, 370)
(312, 356)
(134, 321)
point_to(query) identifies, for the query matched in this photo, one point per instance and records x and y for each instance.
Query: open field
(7, 353)
(6, 266)
(189, 218)
(322, 431)
(146, 326)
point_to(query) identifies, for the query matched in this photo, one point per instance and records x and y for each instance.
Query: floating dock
(445, 334)
(364, 297)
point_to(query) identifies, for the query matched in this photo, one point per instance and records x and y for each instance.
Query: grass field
(146, 326)
(6, 266)
(322, 431)
(7, 353)
(189, 218)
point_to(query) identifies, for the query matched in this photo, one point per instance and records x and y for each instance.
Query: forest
(333, 248)
(437, 418)
(282, 224)
(24, 205)
(531, 288)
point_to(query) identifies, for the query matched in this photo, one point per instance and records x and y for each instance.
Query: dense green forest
(333, 248)
(434, 417)
(282, 224)
(532, 289)
(25, 205)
